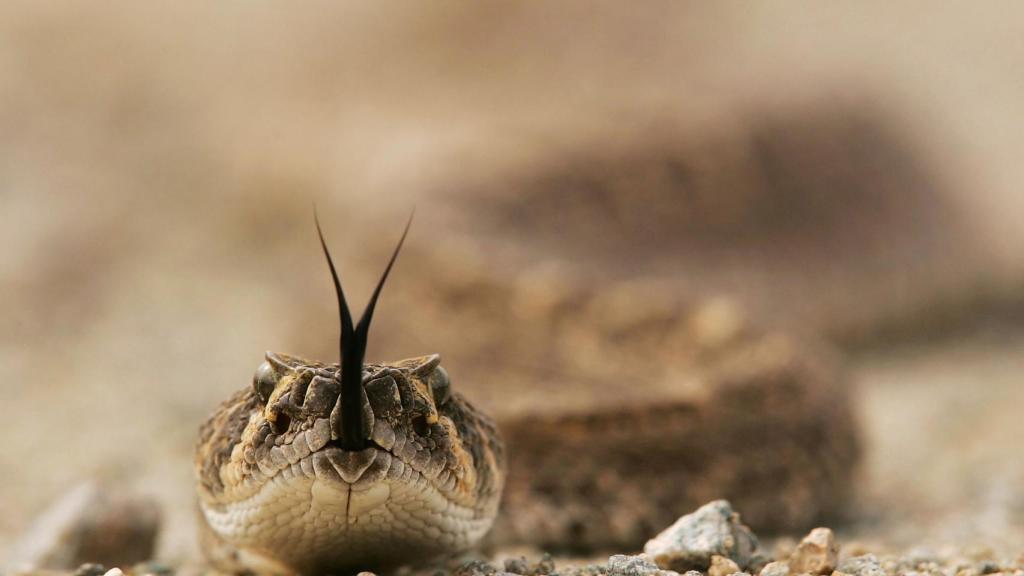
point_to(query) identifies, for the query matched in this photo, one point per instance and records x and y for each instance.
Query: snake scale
(336, 468)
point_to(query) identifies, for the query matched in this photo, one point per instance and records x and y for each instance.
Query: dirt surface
(962, 399)
(834, 172)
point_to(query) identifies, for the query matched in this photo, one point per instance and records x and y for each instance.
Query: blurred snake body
(338, 468)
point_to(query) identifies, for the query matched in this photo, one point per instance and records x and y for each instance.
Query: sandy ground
(943, 434)
(157, 165)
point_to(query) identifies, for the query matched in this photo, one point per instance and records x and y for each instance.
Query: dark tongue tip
(353, 348)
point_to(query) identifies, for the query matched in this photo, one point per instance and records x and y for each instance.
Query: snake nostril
(420, 426)
(280, 423)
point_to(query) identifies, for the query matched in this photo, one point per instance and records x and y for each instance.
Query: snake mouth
(355, 469)
(374, 465)
(368, 444)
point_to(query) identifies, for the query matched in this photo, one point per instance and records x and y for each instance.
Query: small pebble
(864, 565)
(517, 565)
(817, 553)
(114, 572)
(722, 566)
(475, 568)
(775, 569)
(690, 543)
(546, 565)
(524, 567)
(622, 565)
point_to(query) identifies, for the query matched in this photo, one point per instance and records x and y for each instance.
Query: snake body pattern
(336, 468)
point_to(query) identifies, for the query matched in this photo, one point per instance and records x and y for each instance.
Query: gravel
(865, 565)
(817, 553)
(695, 539)
(641, 565)
(711, 537)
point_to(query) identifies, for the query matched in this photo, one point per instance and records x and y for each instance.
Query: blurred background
(846, 173)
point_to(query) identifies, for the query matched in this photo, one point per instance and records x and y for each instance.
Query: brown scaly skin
(277, 494)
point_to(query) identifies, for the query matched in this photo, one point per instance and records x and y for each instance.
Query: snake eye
(264, 381)
(440, 385)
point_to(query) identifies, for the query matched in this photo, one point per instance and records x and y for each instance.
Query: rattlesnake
(658, 418)
(344, 467)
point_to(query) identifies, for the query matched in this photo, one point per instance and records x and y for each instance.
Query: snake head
(277, 481)
(325, 468)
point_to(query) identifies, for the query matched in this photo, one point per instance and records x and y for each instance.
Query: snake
(337, 468)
